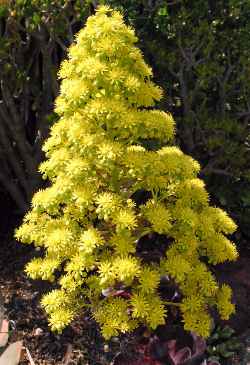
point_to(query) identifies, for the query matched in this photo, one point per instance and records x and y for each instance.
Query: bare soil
(81, 343)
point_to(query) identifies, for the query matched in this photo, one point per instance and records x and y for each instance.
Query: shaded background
(200, 54)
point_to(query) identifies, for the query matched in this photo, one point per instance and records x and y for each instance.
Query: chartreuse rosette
(88, 223)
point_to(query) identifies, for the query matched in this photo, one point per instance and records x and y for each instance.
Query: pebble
(115, 339)
(38, 332)
(106, 348)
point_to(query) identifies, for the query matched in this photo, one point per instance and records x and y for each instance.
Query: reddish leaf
(199, 346)
(111, 292)
(171, 345)
(177, 357)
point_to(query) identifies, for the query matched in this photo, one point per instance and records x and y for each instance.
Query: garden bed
(81, 343)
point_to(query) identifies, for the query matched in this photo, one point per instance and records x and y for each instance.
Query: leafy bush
(120, 218)
(223, 344)
(199, 51)
(34, 35)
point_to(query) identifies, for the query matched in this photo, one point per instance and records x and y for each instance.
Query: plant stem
(173, 303)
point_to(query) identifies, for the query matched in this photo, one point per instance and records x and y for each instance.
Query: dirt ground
(81, 343)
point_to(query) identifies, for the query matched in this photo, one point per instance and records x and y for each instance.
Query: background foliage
(199, 51)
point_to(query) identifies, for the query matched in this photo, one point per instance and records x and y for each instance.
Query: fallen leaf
(12, 354)
(38, 332)
(4, 333)
(68, 355)
(29, 356)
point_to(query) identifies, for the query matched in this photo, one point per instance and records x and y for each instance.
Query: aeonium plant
(175, 347)
(125, 207)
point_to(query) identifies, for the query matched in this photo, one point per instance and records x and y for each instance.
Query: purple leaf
(111, 292)
(199, 345)
(182, 355)
(178, 357)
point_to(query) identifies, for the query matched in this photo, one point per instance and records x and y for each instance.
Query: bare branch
(14, 192)
(61, 44)
(216, 171)
(13, 159)
(19, 136)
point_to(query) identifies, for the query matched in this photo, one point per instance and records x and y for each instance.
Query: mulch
(81, 343)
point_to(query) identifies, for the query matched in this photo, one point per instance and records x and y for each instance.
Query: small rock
(115, 339)
(106, 348)
(38, 332)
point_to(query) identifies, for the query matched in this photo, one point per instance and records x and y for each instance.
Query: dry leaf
(4, 333)
(68, 355)
(12, 354)
(29, 356)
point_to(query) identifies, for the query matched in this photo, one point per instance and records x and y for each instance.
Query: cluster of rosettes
(88, 222)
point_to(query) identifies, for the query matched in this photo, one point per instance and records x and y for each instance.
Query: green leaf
(3, 11)
(163, 11)
(36, 19)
